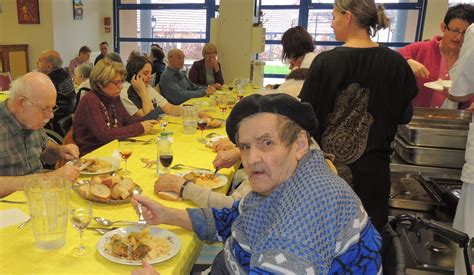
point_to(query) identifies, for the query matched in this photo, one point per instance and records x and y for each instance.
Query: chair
(393, 258)
(5, 80)
(63, 125)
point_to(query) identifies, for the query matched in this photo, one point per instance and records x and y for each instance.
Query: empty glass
(81, 216)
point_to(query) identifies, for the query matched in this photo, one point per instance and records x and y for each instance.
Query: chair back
(5, 80)
(68, 139)
(393, 258)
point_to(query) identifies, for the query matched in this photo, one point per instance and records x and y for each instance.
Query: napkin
(12, 216)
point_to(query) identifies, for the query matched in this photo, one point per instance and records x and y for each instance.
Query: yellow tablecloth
(4, 95)
(18, 253)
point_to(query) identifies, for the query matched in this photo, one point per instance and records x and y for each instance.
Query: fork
(141, 221)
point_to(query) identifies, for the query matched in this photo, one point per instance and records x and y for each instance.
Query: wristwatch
(182, 187)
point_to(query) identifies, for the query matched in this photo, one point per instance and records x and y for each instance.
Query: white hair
(20, 87)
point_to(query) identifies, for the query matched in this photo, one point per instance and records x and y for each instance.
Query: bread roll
(100, 191)
(170, 196)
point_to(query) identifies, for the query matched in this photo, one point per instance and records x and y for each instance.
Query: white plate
(434, 85)
(222, 178)
(154, 231)
(115, 165)
(445, 83)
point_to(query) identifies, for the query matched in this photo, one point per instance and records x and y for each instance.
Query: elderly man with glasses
(23, 142)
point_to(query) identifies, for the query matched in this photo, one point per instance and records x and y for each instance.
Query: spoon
(180, 166)
(107, 222)
(141, 221)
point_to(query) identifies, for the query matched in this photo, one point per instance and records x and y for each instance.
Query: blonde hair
(368, 14)
(209, 47)
(104, 71)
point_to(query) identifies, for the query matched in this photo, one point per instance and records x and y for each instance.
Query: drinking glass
(125, 150)
(202, 123)
(164, 121)
(222, 104)
(81, 216)
(166, 155)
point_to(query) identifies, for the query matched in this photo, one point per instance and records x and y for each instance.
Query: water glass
(81, 216)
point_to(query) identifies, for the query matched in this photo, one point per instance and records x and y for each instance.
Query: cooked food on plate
(138, 246)
(203, 179)
(214, 123)
(106, 188)
(94, 165)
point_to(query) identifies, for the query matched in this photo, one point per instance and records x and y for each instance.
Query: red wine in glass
(125, 154)
(166, 160)
(202, 125)
(231, 87)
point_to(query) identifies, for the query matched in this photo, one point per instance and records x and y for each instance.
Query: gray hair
(368, 14)
(20, 87)
(54, 60)
(83, 70)
(115, 57)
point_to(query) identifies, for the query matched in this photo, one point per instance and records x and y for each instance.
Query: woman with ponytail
(360, 92)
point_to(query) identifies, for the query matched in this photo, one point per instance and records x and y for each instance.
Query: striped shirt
(20, 149)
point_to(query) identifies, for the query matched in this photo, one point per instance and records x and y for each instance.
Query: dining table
(18, 252)
(4, 95)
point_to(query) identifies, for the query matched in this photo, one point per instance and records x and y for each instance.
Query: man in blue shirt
(175, 86)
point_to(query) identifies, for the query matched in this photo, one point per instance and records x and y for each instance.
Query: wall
(70, 34)
(434, 16)
(37, 36)
(67, 35)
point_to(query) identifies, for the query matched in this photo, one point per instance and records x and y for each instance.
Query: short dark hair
(103, 42)
(462, 11)
(157, 53)
(134, 65)
(85, 49)
(296, 42)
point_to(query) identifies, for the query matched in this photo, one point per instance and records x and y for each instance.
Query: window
(182, 24)
(316, 16)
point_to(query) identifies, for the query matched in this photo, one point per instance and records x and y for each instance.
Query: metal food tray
(424, 133)
(439, 157)
(412, 192)
(399, 165)
(442, 115)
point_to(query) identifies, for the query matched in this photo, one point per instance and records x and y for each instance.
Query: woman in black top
(360, 93)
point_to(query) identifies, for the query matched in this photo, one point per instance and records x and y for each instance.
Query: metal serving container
(439, 157)
(429, 134)
(442, 116)
(399, 165)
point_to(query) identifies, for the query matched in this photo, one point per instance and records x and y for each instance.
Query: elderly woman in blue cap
(300, 218)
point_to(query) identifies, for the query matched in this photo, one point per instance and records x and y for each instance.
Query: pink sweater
(428, 54)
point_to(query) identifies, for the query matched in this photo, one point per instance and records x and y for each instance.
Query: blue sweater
(177, 88)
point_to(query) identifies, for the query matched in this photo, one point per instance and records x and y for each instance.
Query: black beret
(282, 104)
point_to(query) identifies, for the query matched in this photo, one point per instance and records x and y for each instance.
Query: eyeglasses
(455, 31)
(117, 82)
(44, 110)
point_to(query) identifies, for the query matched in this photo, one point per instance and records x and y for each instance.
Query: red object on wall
(107, 24)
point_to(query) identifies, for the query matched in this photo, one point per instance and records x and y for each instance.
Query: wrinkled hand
(146, 269)
(169, 182)
(418, 69)
(153, 212)
(68, 152)
(68, 172)
(227, 158)
(218, 86)
(148, 124)
(222, 144)
(210, 90)
(214, 64)
(138, 84)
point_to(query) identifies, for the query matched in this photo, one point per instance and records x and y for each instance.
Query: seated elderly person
(83, 57)
(100, 116)
(81, 79)
(207, 71)
(24, 144)
(50, 62)
(300, 217)
(175, 86)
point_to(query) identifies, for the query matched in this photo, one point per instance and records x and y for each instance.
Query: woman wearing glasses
(432, 60)
(100, 116)
(207, 71)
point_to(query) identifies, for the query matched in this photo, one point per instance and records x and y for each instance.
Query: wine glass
(166, 155)
(222, 104)
(202, 123)
(125, 150)
(81, 216)
(164, 121)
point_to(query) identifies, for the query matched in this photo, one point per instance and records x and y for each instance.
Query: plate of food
(204, 178)
(213, 123)
(106, 189)
(100, 165)
(130, 245)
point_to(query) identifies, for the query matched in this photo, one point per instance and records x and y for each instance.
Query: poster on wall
(28, 11)
(78, 9)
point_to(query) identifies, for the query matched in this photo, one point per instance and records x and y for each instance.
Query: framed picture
(78, 9)
(28, 11)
